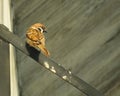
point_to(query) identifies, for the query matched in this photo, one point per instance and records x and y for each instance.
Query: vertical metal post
(4, 62)
(12, 78)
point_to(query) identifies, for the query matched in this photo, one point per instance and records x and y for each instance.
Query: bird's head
(40, 27)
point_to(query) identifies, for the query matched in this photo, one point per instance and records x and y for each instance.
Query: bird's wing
(32, 35)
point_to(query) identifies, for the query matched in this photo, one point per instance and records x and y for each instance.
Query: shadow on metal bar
(50, 64)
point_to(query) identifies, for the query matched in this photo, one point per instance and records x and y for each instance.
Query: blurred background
(83, 36)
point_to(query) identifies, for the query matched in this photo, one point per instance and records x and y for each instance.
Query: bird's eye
(40, 29)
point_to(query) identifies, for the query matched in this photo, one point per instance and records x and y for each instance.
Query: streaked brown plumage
(35, 37)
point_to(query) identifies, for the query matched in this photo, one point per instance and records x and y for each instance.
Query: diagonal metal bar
(50, 64)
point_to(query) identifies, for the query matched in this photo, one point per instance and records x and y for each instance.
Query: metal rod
(50, 64)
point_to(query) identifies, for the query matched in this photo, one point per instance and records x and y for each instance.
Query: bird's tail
(44, 50)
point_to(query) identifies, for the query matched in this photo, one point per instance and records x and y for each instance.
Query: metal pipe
(50, 64)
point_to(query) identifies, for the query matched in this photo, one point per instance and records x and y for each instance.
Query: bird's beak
(45, 31)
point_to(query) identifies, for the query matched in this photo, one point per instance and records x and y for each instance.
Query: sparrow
(35, 38)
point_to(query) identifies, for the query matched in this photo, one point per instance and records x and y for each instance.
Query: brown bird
(35, 37)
